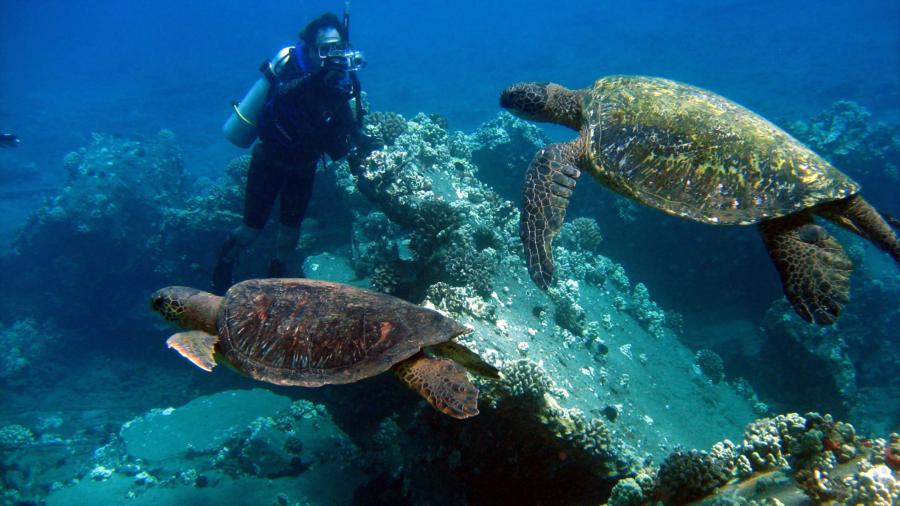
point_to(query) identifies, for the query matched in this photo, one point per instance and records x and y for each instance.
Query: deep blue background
(70, 68)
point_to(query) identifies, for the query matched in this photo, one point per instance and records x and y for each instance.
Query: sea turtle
(695, 154)
(311, 333)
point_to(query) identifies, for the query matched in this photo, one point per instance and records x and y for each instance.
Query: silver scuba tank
(241, 126)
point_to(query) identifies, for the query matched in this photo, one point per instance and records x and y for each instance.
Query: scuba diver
(9, 140)
(300, 109)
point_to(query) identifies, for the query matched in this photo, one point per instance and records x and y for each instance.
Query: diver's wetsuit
(304, 118)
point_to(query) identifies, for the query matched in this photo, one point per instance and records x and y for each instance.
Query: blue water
(130, 69)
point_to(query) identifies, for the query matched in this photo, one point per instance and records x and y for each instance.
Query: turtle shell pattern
(695, 154)
(311, 333)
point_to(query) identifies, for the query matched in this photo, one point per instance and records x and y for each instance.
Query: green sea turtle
(311, 333)
(695, 154)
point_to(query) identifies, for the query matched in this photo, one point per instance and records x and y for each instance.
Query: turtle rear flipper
(196, 346)
(464, 357)
(815, 270)
(442, 382)
(857, 215)
(548, 185)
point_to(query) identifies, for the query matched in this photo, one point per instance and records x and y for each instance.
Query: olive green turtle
(312, 333)
(697, 155)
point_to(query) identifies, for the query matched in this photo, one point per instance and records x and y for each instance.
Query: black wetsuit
(304, 118)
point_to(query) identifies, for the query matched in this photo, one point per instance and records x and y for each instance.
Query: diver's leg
(815, 270)
(858, 216)
(262, 188)
(295, 197)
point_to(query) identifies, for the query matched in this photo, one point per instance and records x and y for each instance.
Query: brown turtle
(697, 155)
(311, 333)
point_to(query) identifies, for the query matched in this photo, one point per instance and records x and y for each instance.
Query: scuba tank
(241, 127)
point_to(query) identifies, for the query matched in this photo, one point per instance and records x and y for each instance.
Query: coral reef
(419, 224)
(822, 459)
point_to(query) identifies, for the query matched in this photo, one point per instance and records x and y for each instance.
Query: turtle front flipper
(549, 183)
(815, 270)
(442, 382)
(196, 346)
(464, 357)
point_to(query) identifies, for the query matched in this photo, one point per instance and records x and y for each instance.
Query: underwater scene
(450, 253)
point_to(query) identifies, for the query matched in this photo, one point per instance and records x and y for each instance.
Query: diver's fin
(442, 382)
(894, 222)
(196, 346)
(464, 357)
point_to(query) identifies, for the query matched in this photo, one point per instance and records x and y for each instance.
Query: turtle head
(545, 102)
(186, 307)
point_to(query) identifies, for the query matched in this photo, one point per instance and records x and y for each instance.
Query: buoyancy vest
(305, 115)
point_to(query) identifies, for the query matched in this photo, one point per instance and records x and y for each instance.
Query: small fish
(9, 140)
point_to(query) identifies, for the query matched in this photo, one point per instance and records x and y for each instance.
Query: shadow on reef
(523, 448)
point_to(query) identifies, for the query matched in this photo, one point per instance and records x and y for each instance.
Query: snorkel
(354, 78)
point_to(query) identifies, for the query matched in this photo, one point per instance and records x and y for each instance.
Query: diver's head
(322, 37)
(544, 102)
